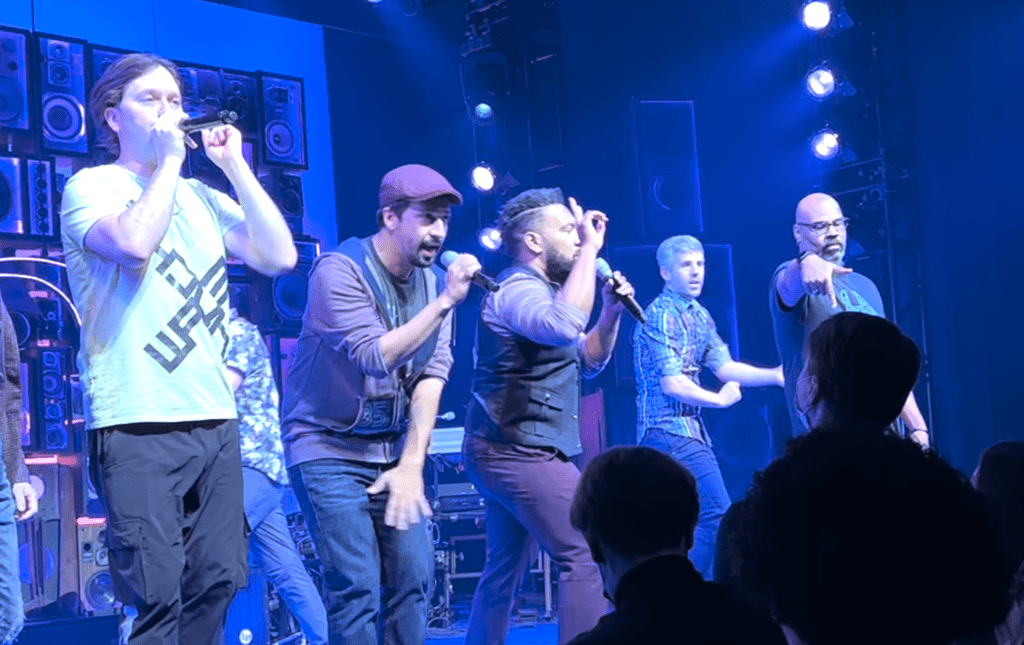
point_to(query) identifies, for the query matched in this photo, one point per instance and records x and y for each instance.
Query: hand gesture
(460, 277)
(816, 274)
(615, 289)
(25, 501)
(591, 225)
(223, 146)
(729, 395)
(406, 502)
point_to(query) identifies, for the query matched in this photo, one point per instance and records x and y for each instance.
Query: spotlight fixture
(483, 113)
(820, 82)
(483, 178)
(825, 144)
(374, 1)
(816, 15)
(490, 238)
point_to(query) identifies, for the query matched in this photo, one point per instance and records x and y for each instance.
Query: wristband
(800, 258)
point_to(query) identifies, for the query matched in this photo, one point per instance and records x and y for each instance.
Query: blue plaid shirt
(680, 337)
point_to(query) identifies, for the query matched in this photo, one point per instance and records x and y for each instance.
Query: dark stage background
(395, 97)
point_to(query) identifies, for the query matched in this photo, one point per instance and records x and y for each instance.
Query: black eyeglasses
(821, 227)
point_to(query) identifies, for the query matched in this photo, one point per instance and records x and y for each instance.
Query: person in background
(264, 477)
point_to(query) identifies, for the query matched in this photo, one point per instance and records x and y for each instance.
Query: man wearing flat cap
(360, 403)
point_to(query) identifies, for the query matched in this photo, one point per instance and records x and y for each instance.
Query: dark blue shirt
(794, 325)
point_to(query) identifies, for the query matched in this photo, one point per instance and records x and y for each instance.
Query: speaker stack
(48, 543)
(62, 95)
(12, 221)
(284, 121)
(286, 191)
(54, 394)
(96, 589)
(280, 302)
(14, 90)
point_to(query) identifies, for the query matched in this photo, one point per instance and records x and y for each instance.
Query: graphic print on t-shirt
(205, 300)
(852, 301)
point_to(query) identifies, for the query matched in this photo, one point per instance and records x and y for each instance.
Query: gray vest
(525, 392)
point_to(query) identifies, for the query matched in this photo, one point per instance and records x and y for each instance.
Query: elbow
(135, 253)
(283, 263)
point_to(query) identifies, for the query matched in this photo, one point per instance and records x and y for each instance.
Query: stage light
(374, 1)
(825, 144)
(490, 238)
(820, 82)
(483, 111)
(482, 177)
(816, 15)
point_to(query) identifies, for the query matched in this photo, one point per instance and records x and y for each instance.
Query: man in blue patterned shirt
(265, 477)
(669, 352)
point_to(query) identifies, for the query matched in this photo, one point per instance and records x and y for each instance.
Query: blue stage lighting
(825, 144)
(483, 111)
(482, 177)
(374, 1)
(821, 82)
(816, 15)
(490, 238)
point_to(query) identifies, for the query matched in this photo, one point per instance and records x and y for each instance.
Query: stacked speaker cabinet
(240, 95)
(54, 393)
(96, 589)
(39, 188)
(62, 97)
(48, 544)
(12, 221)
(102, 58)
(14, 78)
(286, 293)
(283, 122)
(664, 146)
(286, 191)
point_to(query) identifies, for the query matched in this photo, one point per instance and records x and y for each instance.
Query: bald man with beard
(815, 286)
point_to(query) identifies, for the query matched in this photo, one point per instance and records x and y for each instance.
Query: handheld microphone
(479, 279)
(224, 117)
(604, 273)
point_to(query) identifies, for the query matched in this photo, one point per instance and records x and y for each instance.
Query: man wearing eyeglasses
(815, 286)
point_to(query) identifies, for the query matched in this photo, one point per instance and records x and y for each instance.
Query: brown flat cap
(415, 183)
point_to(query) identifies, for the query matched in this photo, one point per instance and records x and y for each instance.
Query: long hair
(109, 90)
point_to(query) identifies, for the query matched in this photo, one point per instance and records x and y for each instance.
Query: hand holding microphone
(448, 259)
(621, 288)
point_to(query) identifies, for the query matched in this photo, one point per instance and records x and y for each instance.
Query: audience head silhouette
(865, 538)
(859, 369)
(1000, 480)
(632, 504)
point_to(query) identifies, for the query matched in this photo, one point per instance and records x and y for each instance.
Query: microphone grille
(603, 269)
(447, 258)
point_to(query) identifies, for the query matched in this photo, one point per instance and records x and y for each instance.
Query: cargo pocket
(125, 548)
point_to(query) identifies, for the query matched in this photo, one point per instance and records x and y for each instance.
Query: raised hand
(223, 146)
(591, 225)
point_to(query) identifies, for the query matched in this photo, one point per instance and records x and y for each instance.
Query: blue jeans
(377, 577)
(12, 610)
(698, 458)
(274, 552)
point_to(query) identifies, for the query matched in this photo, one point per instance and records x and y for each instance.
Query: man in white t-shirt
(145, 252)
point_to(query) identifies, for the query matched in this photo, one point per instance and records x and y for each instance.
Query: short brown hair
(635, 500)
(109, 90)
